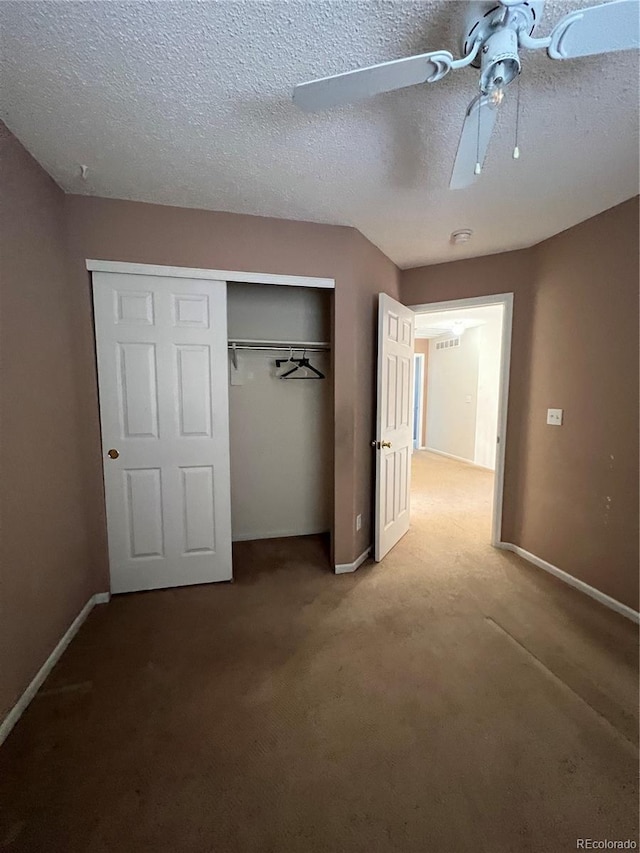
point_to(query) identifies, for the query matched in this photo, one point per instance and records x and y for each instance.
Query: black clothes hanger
(300, 363)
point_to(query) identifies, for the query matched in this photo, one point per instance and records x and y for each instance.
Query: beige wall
(453, 396)
(571, 493)
(45, 577)
(147, 233)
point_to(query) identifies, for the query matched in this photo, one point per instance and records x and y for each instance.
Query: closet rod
(275, 346)
(245, 343)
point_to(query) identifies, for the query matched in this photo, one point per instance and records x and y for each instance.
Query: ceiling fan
(492, 34)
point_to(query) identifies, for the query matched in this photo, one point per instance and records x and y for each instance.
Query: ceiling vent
(450, 342)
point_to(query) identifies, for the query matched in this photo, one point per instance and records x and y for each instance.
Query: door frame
(266, 278)
(218, 275)
(418, 358)
(506, 300)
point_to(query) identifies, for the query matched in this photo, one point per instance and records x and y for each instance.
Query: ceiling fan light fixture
(463, 235)
(500, 60)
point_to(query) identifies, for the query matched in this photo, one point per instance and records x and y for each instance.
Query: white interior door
(394, 427)
(162, 373)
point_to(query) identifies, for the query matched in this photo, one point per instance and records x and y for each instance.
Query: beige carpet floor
(449, 699)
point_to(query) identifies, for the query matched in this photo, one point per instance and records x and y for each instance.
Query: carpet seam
(557, 678)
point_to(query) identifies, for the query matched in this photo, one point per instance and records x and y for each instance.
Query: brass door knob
(113, 453)
(385, 444)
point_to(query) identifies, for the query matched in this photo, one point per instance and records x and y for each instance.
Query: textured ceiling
(190, 104)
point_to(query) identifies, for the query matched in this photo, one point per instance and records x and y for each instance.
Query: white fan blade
(599, 29)
(365, 82)
(471, 149)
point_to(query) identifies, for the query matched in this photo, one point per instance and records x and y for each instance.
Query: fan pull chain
(516, 150)
(478, 168)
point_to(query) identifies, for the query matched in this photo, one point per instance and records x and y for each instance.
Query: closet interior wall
(281, 430)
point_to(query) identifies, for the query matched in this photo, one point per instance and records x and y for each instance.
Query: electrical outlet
(358, 521)
(554, 417)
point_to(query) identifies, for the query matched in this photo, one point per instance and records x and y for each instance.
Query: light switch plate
(554, 417)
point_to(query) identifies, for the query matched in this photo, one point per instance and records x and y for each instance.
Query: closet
(216, 411)
(281, 429)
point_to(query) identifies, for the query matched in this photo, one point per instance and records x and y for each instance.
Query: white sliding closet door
(163, 380)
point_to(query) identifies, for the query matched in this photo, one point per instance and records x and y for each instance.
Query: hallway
(451, 500)
(449, 699)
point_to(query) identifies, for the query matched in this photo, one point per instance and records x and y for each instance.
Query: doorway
(460, 410)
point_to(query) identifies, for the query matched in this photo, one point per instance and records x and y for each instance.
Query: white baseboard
(343, 568)
(457, 458)
(281, 534)
(21, 705)
(602, 597)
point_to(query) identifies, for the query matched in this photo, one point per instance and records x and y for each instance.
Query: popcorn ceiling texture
(189, 104)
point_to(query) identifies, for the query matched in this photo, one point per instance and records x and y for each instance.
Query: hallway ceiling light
(458, 327)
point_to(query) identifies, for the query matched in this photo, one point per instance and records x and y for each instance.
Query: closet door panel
(198, 509)
(162, 370)
(193, 392)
